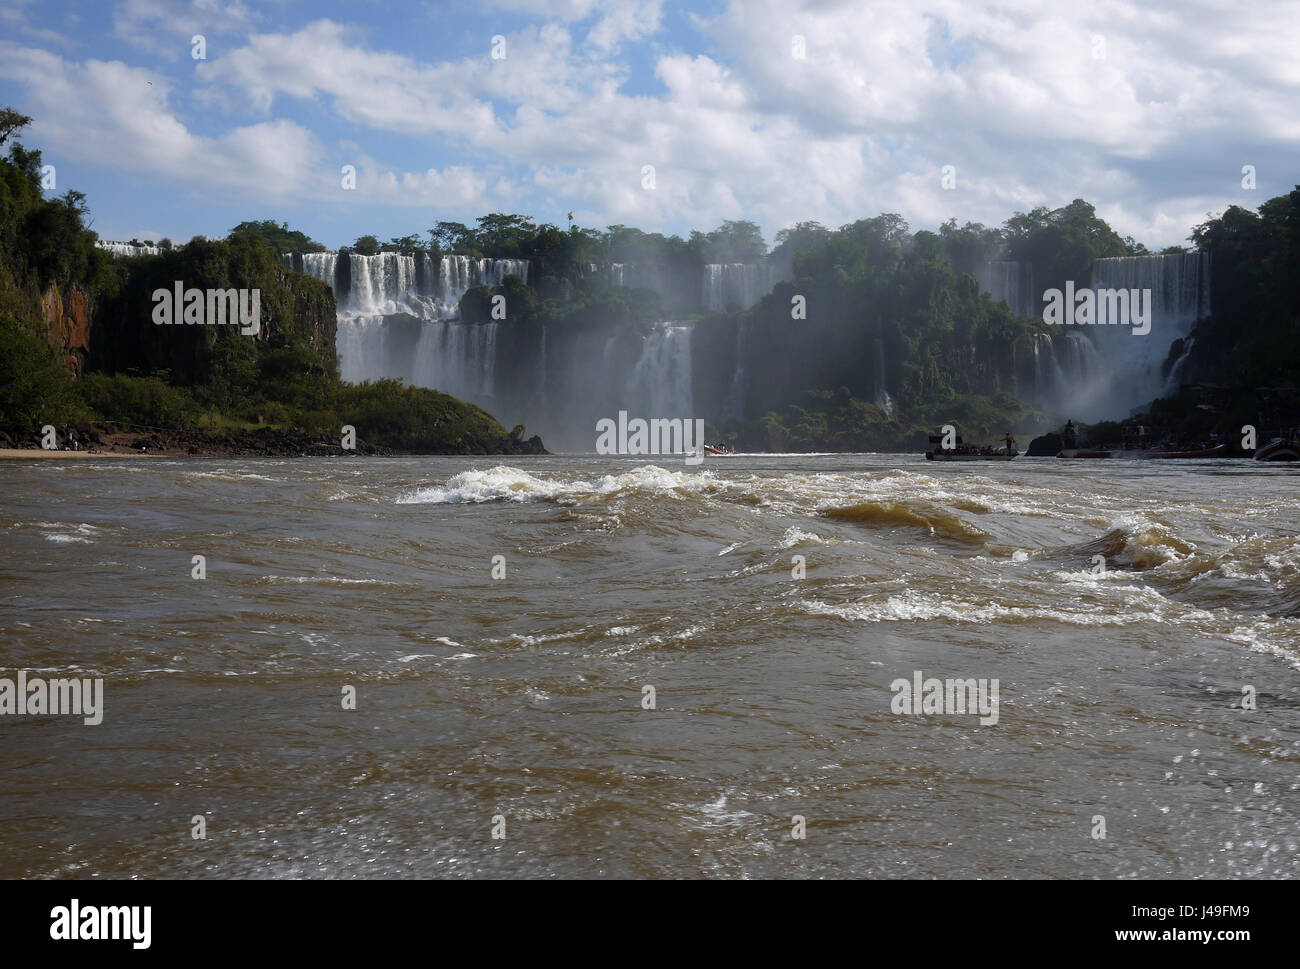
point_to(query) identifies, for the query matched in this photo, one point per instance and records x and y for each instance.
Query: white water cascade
(420, 286)
(660, 383)
(397, 317)
(1011, 283)
(126, 249)
(1096, 372)
(1129, 364)
(740, 284)
(720, 286)
(643, 276)
(883, 400)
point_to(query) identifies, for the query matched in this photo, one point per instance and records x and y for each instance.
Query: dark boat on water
(970, 452)
(1133, 447)
(1218, 451)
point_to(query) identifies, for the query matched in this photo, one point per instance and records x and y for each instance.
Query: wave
(924, 516)
(797, 536)
(504, 483)
(82, 534)
(1137, 546)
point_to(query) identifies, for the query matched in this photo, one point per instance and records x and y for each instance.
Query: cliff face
(65, 319)
(312, 309)
(125, 337)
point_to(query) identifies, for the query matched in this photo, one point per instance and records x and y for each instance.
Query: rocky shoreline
(263, 442)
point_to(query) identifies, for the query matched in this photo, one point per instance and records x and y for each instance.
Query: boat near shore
(1145, 454)
(961, 451)
(973, 454)
(1218, 451)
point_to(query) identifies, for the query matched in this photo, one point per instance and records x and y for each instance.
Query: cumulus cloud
(778, 111)
(107, 112)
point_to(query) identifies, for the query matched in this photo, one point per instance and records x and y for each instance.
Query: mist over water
(1102, 372)
(1121, 692)
(1179, 284)
(399, 317)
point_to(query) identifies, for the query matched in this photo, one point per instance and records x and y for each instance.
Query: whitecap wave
(504, 483)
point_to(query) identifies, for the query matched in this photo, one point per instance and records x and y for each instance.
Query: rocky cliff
(65, 320)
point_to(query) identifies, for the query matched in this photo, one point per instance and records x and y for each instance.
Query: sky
(664, 116)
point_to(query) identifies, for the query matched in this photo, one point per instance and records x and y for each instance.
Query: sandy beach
(20, 453)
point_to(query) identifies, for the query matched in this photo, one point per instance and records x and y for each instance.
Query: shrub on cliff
(35, 387)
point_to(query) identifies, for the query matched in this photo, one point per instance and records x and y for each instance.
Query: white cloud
(106, 111)
(166, 27)
(619, 20)
(384, 91)
(16, 17)
(1009, 92)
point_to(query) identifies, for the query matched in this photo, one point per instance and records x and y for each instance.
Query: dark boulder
(1047, 446)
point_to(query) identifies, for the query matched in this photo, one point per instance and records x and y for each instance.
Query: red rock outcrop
(66, 318)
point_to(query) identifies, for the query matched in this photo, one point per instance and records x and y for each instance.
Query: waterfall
(733, 407)
(639, 275)
(1179, 283)
(1011, 283)
(1067, 371)
(126, 249)
(1104, 372)
(721, 285)
(455, 358)
(390, 283)
(1130, 365)
(883, 400)
(1039, 339)
(398, 317)
(1049, 375)
(739, 284)
(660, 383)
(1175, 377)
(1084, 361)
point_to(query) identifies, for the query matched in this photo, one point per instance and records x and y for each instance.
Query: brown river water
(1158, 691)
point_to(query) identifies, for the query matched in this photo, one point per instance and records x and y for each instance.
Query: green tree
(407, 245)
(278, 236)
(503, 235)
(1063, 243)
(733, 241)
(10, 122)
(35, 388)
(476, 305)
(452, 237)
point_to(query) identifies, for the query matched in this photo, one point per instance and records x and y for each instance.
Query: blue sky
(1150, 111)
